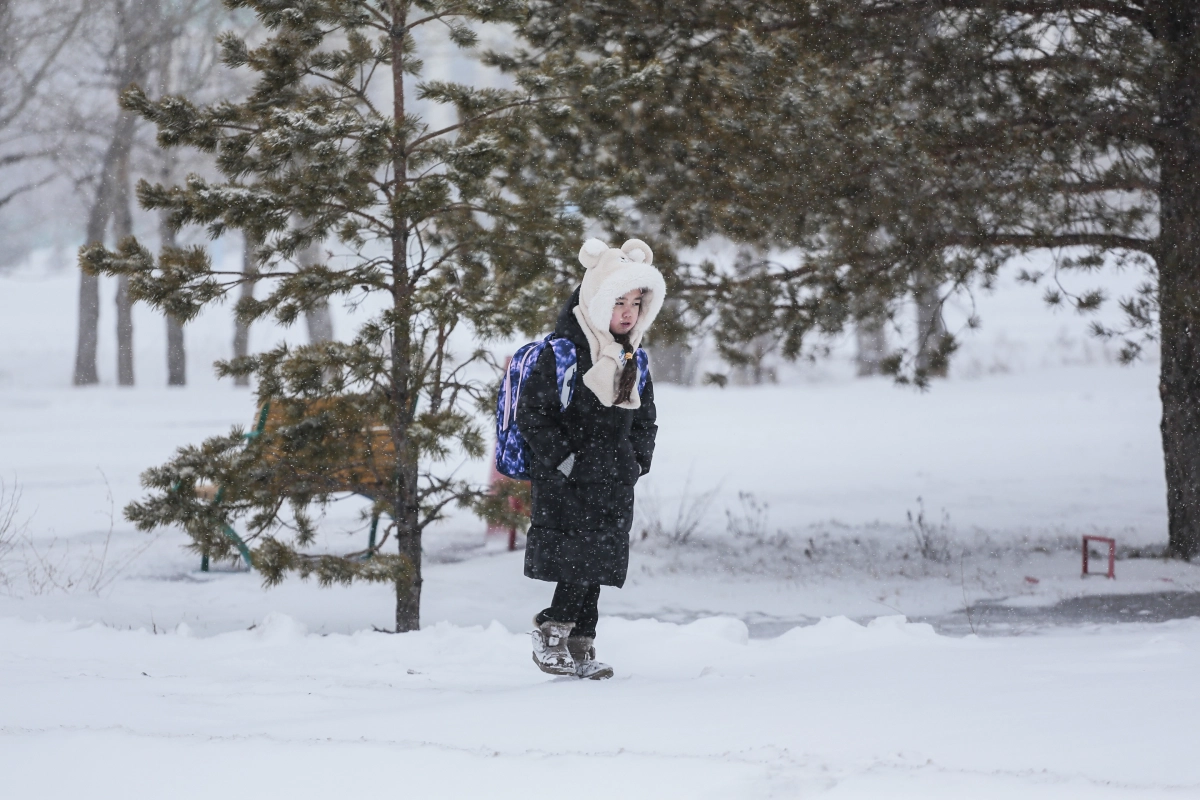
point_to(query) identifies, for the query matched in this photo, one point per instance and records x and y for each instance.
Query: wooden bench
(364, 459)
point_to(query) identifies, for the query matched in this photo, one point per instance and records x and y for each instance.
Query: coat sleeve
(539, 414)
(644, 428)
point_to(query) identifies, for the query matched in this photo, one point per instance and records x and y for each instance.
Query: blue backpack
(512, 453)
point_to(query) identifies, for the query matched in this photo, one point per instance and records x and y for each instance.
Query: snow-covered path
(835, 710)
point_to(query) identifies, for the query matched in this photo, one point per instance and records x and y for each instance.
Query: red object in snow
(1112, 554)
(513, 503)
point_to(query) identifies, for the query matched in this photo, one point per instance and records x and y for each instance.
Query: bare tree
(107, 197)
(188, 54)
(176, 352)
(241, 333)
(123, 228)
(870, 337)
(33, 36)
(675, 362)
(317, 318)
(932, 360)
(170, 44)
(675, 359)
(127, 61)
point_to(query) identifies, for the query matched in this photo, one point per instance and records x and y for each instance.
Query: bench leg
(231, 534)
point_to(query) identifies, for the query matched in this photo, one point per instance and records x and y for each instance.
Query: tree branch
(29, 187)
(1039, 241)
(526, 102)
(1117, 8)
(29, 90)
(17, 158)
(893, 8)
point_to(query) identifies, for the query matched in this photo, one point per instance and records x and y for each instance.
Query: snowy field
(759, 653)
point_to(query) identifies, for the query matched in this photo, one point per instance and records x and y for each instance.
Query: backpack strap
(642, 358)
(565, 367)
(522, 363)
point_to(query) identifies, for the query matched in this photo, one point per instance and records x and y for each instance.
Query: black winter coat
(581, 523)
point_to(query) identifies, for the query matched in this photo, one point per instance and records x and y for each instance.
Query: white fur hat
(612, 273)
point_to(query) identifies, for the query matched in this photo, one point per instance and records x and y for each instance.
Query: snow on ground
(834, 710)
(152, 679)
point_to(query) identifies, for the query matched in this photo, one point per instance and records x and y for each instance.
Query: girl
(586, 459)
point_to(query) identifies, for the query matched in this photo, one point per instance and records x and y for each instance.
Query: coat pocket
(550, 502)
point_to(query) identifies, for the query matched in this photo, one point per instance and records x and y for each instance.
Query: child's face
(626, 312)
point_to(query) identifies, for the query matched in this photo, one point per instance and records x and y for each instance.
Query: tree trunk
(123, 227)
(870, 337)
(931, 330)
(86, 373)
(403, 400)
(177, 354)
(317, 319)
(672, 364)
(320, 324)
(408, 588)
(114, 177)
(1179, 271)
(89, 289)
(241, 330)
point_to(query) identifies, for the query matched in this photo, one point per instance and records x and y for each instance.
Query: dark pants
(575, 602)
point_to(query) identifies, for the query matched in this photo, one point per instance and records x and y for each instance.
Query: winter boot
(550, 647)
(583, 651)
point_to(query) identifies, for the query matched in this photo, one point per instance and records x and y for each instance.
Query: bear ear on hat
(637, 250)
(589, 254)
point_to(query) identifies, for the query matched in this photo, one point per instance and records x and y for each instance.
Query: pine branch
(359, 93)
(1062, 62)
(1117, 185)
(1037, 241)
(416, 143)
(431, 18)
(1116, 8)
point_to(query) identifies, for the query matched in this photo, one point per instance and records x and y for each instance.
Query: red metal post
(1112, 554)
(514, 504)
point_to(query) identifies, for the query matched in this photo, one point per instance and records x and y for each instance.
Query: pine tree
(460, 232)
(899, 144)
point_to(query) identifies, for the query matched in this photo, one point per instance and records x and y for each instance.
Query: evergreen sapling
(460, 231)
